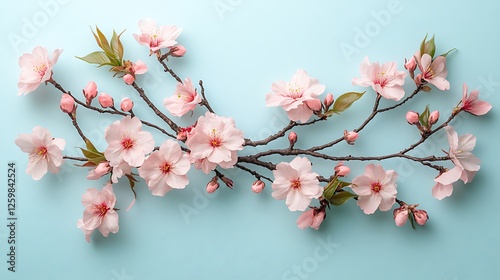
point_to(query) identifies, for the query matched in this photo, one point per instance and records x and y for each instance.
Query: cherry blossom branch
(254, 173)
(204, 101)
(77, 127)
(75, 158)
(167, 69)
(414, 93)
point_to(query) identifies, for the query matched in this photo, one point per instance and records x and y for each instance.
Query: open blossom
(99, 212)
(296, 183)
(216, 140)
(385, 79)
(471, 103)
(444, 182)
(36, 68)
(166, 169)
(127, 142)
(297, 97)
(155, 37)
(433, 71)
(461, 149)
(44, 152)
(376, 188)
(184, 99)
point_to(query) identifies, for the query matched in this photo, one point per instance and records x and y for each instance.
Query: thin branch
(204, 101)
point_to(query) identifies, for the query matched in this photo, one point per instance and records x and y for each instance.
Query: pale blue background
(239, 53)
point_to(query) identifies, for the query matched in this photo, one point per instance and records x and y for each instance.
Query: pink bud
(314, 104)
(292, 138)
(139, 67)
(213, 185)
(318, 219)
(178, 51)
(67, 103)
(306, 219)
(350, 137)
(328, 100)
(184, 132)
(341, 170)
(126, 105)
(434, 117)
(410, 64)
(400, 215)
(105, 100)
(90, 91)
(128, 79)
(420, 216)
(102, 168)
(412, 117)
(258, 186)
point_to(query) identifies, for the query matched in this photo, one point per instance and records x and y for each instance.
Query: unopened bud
(128, 79)
(410, 64)
(328, 100)
(318, 219)
(258, 186)
(292, 138)
(400, 215)
(90, 92)
(412, 117)
(341, 170)
(350, 137)
(420, 216)
(67, 103)
(178, 51)
(126, 105)
(314, 104)
(213, 185)
(105, 100)
(434, 117)
(102, 168)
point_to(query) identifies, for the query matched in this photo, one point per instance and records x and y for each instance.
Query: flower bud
(412, 117)
(314, 104)
(67, 103)
(90, 92)
(311, 218)
(434, 117)
(410, 64)
(328, 100)
(292, 138)
(128, 79)
(258, 186)
(318, 219)
(105, 100)
(400, 215)
(177, 51)
(102, 168)
(227, 181)
(126, 105)
(213, 185)
(341, 170)
(350, 137)
(420, 217)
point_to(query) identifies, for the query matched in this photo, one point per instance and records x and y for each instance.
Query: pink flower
(400, 215)
(90, 92)
(184, 99)
(296, 183)
(216, 140)
(67, 104)
(411, 64)
(385, 79)
(375, 188)
(292, 138)
(328, 101)
(118, 171)
(444, 182)
(36, 68)
(433, 72)
(166, 169)
(99, 212)
(258, 186)
(44, 152)
(471, 103)
(461, 149)
(412, 117)
(127, 142)
(311, 218)
(297, 96)
(126, 105)
(105, 100)
(155, 37)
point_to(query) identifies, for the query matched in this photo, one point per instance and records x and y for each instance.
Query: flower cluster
(213, 143)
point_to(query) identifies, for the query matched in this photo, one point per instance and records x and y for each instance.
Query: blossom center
(295, 90)
(127, 143)
(41, 151)
(376, 187)
(429, 74)
(101, 209)
(40, 69)
(166, 168)
(215, 140)
(295, 183)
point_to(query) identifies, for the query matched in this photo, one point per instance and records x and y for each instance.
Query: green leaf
(132, 181)
(103, 42)
(90, 146)
(430, 47)
(424, 117)
(448, 52)
(422, 45)
(117, 46)
(341, 198)
(98, 57)
(93, 156)
(343, 102)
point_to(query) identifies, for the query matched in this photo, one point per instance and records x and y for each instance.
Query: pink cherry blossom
(375, 188)
(471, 103)
(99, 212)
(311, 218)
(296, 183)
(127, 142)
(184, 99)
(444, 182)
(433, 71)
(44, 152)
(120, 170)
(36, 68)
(461, 149)
(385, 79)
(296, 96)
(156, 38)
(215, 140)
(90, 92)
(166, 169)
(139, 68)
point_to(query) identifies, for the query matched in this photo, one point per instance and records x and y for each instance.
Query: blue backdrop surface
(239, 48)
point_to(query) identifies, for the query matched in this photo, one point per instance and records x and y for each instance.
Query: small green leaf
(98, 57)
(430, 47)
(117, 46)
(90, 146)
(424, 117)
(94, 157)
(422, 45)
(132, 181)
(341, 198)
(103, 42)
(343, 102)
(448, 52)
(426, 88)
